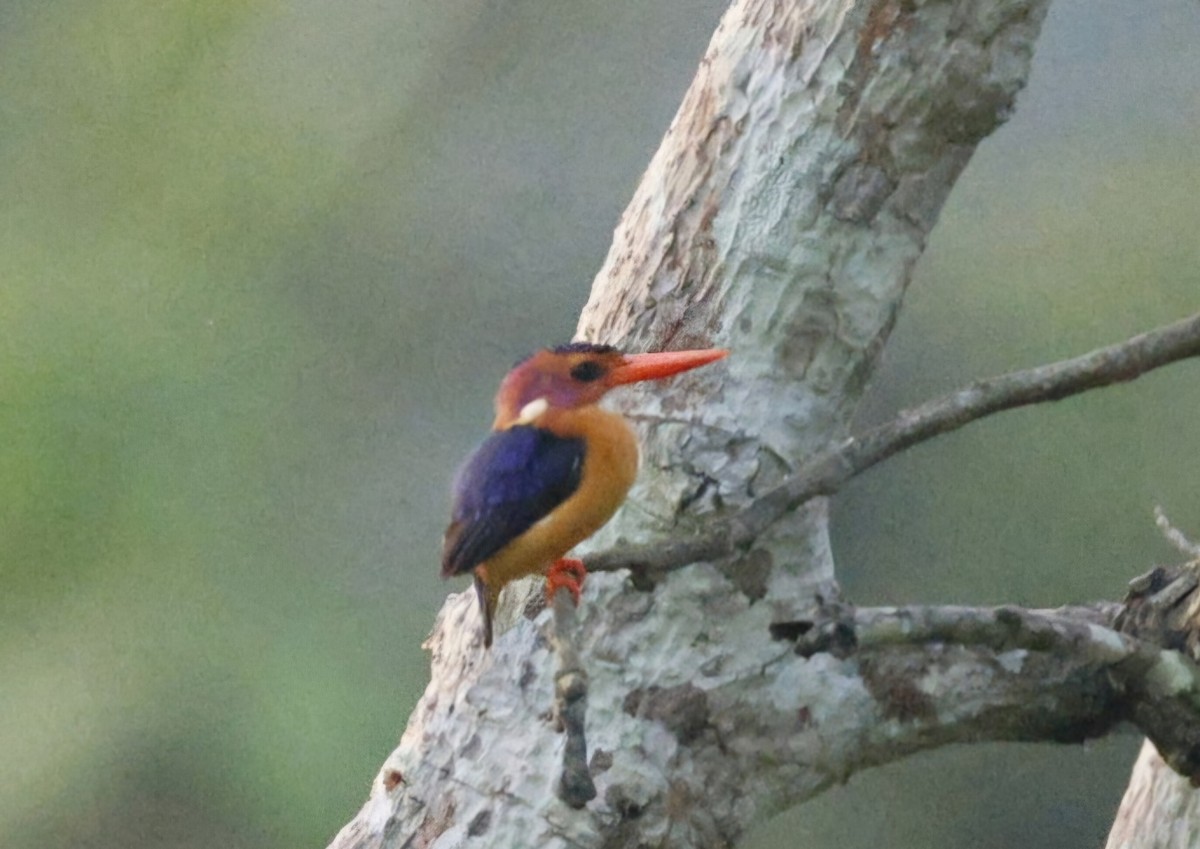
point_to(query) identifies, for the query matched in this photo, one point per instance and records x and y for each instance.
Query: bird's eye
(587, 371)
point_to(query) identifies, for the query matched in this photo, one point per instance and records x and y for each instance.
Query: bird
(554, 470)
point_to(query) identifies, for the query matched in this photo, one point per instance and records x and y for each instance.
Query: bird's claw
(567, 573)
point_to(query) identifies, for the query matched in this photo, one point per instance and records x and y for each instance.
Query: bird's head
(580, 374)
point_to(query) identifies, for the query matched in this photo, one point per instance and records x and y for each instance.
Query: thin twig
(826, 472)
(575, 786)
(1174, 536)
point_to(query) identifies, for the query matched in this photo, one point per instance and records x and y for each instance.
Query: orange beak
(637, 367)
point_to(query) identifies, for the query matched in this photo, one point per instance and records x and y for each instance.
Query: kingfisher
(554, 470)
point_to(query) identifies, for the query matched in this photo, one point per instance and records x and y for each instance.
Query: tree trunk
(781, 217)
(1161, 809)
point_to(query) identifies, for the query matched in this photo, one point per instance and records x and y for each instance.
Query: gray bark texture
(1161, 808)
(781, 218)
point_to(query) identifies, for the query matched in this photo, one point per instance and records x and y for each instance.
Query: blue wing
(516, 477)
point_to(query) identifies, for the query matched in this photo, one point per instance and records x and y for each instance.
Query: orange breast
(609, 468)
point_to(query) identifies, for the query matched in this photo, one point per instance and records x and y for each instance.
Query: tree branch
(1127, 678)
(826, 472)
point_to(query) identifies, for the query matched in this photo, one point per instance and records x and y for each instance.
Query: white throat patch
(530, 412)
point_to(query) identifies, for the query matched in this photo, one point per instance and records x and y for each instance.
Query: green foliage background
(261, 265)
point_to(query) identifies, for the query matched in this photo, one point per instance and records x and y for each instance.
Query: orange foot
(566, 573)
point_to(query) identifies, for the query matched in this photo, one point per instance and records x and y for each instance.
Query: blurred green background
(261, 266)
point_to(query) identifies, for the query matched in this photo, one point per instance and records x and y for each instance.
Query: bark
(781, 217)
